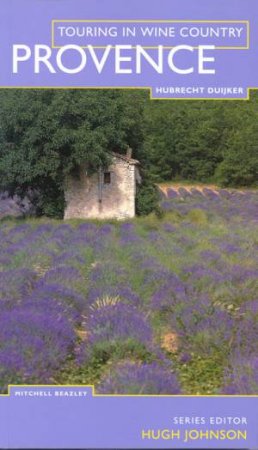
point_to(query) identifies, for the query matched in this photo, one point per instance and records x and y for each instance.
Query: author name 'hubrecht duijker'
(194, 435)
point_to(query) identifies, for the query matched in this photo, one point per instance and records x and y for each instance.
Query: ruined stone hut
(108, 194)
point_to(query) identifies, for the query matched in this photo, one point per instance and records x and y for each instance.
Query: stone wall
(117, 198)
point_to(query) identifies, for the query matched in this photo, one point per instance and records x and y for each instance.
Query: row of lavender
(154, 306)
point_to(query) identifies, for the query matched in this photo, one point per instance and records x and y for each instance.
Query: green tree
(239, 166)
(45, 134)
(184, 139)
(202, 141)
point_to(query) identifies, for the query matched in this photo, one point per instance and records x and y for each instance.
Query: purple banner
(74, 417)
(175, 49)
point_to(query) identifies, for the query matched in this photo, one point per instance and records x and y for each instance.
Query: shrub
(135, 378)
(33, 344)
(147, 199)
(111, 326)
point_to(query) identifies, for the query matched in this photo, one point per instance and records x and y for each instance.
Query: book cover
(128, 224)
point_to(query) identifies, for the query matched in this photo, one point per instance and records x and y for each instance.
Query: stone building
(108, 194)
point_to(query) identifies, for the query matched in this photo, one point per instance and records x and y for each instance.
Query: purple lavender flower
(212, 195)
(171, 193)
(33, 344)
(169, 294)
(58, 294)
(169, 228)
(242, 378)
(111, 327)
(250, 308)
(129, 235)
(246, 336)
(185, 358)
(166, 205)
(16, 283)
(69, 256)
(117, 323)
(210, 256)
(64, 275)
(132, 378)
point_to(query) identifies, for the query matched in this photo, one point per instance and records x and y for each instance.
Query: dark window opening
(107, 177)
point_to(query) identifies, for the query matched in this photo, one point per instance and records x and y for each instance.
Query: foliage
(202, 141)
(45, 135)
(112, 325)
(240, 164)
(147, 198)
(184, 139)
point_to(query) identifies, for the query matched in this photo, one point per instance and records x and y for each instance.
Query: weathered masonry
(108, 194)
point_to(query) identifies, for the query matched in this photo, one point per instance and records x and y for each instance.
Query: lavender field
(156, 306)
